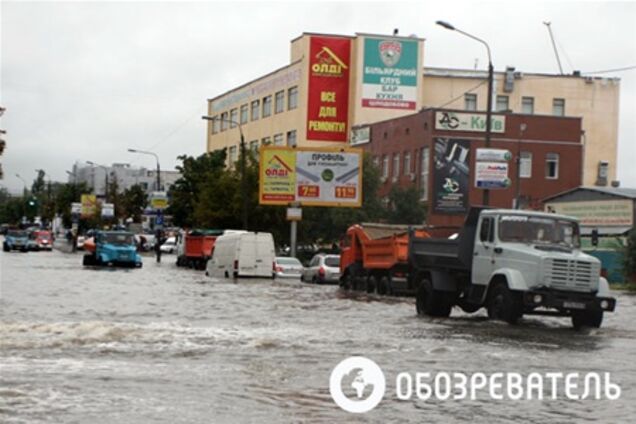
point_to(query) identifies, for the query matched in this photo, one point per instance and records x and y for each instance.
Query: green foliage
(629, 257)
(404, 206)
(67, 194)
(132, 202)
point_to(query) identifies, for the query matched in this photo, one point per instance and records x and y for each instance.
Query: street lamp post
(486, 196)
(24, 191)
(144, 152)
(242, 164)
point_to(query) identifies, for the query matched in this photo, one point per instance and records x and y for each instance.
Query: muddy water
(163, 344)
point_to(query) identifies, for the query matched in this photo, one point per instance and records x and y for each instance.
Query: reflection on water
(162, 344)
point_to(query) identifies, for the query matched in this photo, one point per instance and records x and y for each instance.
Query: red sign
(328, 97)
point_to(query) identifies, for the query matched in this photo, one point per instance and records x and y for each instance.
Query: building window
(243, 114)
(278, 139)
(552, 166)
(558, 107)
(527, 105)
(292, 98)
(291, 138)
(407, 163)
(502, 103)
(470, 101)
(215, 124)
(267, 106)
(525, 165)
(224, 121)
(266, 141)
(233, 118)
(424, 170)
(279, 105)
(385, 167)
(396, 166)
(376, 161)
(255, 105)
(233, 155)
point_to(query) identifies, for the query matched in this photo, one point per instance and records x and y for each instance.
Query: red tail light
(278, 268)
(275, 268)
(236, 265)
(321, 272)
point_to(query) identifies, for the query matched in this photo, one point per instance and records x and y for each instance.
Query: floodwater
(168, 345)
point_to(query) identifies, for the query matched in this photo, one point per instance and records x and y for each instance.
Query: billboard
(159, 200)
(602, 213)
(451, 176)
(389, 73)
(108, 210)
(328, 89)
(89, 205)
(456, 121)
(492, 175)
(312, 177)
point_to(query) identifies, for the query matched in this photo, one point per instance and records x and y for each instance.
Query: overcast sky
(85, 81)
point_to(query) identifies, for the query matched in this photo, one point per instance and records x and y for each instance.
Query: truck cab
(513, 263)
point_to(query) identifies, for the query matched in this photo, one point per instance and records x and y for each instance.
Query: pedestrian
(158, 241)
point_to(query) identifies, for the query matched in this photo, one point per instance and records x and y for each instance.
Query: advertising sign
(312, 177)
(451, 176)
(493, 155)
(76, 208)
(89, 205)
(328, 92)
(453, 121)
(108, 210)
(360, 135)
(605, 213)
(159, 200)
(389, 73)
(491, 175)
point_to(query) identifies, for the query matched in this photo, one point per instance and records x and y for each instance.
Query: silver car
(322, 269)
(287, 267)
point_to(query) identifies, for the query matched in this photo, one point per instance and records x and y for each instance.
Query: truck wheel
(372, 283)
(592, 319)
(5, 247)
(504, 304)
(383, 285)
(347, 280)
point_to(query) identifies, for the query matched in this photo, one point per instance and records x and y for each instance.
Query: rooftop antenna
(556, 53)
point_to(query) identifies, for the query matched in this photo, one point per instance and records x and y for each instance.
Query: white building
(96, 176)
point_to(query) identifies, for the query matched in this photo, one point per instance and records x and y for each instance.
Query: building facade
(435, 151)
(125, 175)
(383, 77)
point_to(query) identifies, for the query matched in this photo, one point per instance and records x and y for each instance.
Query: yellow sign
(159, 200)
(89, 205)
(310, 176)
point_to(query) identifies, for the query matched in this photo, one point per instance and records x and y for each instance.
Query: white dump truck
(512, 263)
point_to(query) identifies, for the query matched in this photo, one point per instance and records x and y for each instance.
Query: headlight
(604, 304)
(537, 298)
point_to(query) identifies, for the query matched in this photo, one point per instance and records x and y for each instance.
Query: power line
(462, 95)
(175, 130)
(607, 71)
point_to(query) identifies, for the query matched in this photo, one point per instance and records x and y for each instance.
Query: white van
(242, 254)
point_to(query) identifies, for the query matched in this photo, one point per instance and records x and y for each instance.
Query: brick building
(435, 151)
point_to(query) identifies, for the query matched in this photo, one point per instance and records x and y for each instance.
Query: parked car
(242, 254)
(322, 269)
(16, 240)
(288, 267)
(170, 245)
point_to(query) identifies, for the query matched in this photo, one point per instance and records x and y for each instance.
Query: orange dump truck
(196, 248)
(374, 258)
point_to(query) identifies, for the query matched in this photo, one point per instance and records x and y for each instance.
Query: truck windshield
(121, 239)
(539, 230)
(17, 233)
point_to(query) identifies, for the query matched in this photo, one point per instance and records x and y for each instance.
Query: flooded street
(163, 344)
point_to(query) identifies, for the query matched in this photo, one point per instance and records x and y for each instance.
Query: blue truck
(112, 248)
(16, 240)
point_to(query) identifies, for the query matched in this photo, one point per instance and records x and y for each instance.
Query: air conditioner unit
(412, 176)
(383, 180)
(394, 179)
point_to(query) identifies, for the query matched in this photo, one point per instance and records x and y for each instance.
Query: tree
(67, 194)
(405, 207)
(195, 173)
(133, 202)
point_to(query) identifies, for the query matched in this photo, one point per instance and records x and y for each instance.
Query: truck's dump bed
(200, 243)
(453, 254)
(384, 246)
